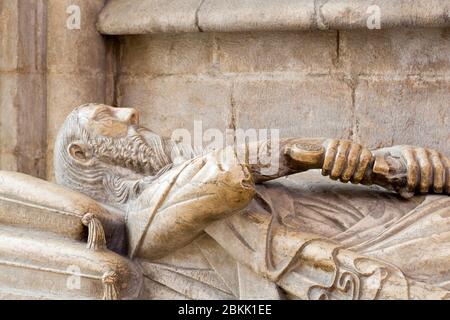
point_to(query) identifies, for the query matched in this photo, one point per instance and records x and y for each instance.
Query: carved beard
(141, 151)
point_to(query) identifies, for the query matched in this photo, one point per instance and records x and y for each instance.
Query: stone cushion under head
(39, 265)
(36, 204)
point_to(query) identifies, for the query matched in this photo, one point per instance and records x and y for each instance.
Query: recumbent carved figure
(280, 239)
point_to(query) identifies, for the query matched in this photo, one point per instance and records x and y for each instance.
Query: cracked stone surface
(154, 16)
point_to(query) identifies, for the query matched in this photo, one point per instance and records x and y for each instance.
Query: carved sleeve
(178, 206)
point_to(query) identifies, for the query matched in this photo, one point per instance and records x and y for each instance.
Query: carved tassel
(109, 280)
(96, 234)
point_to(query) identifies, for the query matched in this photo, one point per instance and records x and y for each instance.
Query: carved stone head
(103, 152)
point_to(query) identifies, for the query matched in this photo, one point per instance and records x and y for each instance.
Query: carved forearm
(270, 160)
(339, 159)
(405, 169)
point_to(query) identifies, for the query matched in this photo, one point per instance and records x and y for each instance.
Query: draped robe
(299, 237)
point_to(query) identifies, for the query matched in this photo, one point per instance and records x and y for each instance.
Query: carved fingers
(439, 173)
(346, 161)
(353, 157)
(330, 155)
(412, 168)
(446, 162)
(427, 170)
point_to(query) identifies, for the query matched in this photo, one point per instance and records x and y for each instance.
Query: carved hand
(410, 169)
(405, 169)
(339, 159)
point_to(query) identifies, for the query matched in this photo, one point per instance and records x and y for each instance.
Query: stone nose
(128, 115)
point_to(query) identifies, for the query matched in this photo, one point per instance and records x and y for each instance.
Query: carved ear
(78, 152)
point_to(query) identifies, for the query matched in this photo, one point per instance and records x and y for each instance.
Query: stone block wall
(77, 65)
(22, 86)
(377, 87)
(46, 69)
(309, 68)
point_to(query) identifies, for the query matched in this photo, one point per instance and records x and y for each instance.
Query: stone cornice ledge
(120, 17)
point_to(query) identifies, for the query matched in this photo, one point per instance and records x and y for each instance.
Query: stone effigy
(163, 221)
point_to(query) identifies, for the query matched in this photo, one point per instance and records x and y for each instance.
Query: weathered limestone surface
(9, 15)
(8, 127)
(185, 100)
(78, 67)
(396, 52)
(154, 16)
(76, 63)
(150, 16)
(281, 104)
(343, 14)
(413, 111)
(349, 84)
(305, 52)
(22, 86)
(166, 54)
(256, 15)
(45, 70)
